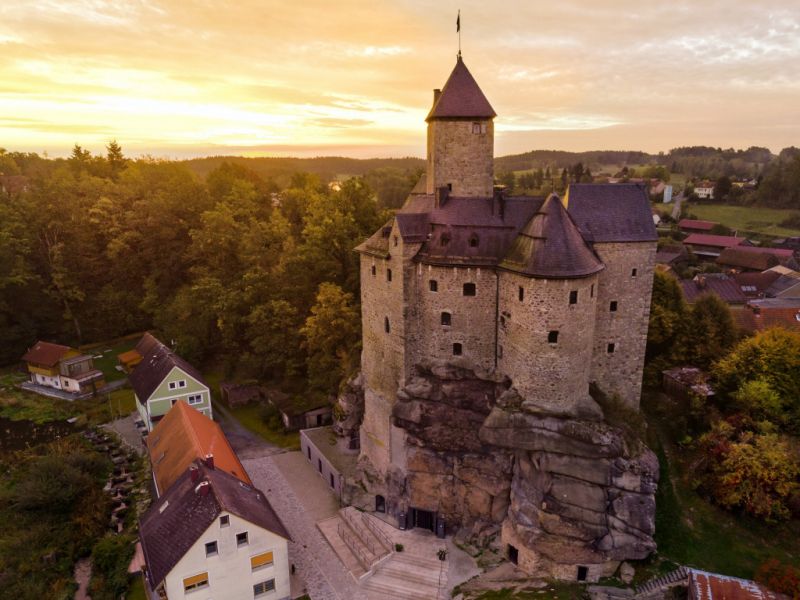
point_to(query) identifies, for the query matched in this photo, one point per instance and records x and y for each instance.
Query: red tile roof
(183, 436)
(45, 353)
(759, 315)
(461, 98)
(717, 241)
(711, 586)
(696, 224)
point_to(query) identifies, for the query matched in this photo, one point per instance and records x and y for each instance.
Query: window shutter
(261, 560)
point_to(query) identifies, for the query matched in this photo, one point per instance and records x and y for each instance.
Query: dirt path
(83, 573)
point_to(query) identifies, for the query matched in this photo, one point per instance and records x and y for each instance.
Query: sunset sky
(181, 78)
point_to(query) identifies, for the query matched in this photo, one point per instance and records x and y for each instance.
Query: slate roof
(184, 435)
(461, 98)
(156, 364)
(551, 246)
(743, 259)
(724, 287)
(617, 212)
(174, 522)
(714, 241)
(45, 353)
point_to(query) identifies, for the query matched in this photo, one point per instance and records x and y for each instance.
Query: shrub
(398, 547)
(111, 556)
(779, 577)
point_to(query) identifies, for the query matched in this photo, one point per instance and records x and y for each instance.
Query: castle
(486, 317)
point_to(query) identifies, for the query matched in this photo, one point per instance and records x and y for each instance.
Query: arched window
(473, 240)
(446, 318)
(380, 504)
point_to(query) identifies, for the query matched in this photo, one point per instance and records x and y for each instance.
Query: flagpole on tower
(458, 30)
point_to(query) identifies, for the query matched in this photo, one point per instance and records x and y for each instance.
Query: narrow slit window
(591, 291)
(610, 348)
(446, 319)
(613, 306)
(457, 349)
(573, 297)
(633, 272)
(552, 337)
(386, 326)
(433, 285)
(388, 274)
(521, 293)
(373, 270)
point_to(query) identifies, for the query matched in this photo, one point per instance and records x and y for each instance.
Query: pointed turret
(461, 138)
(550, 246)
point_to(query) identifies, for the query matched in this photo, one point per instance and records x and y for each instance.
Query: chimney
(701, 282)
(202, 488)
(436, 93)
(209, 461)
(194, 473)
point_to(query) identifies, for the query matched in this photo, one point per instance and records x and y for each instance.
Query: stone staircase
(655, 588)
(406, 576)
(358, 542)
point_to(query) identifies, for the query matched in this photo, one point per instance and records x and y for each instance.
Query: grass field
(250, 417)
(108, 351)
(746, 218)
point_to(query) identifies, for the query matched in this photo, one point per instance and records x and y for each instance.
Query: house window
(373, 270)
(386, 327)
(241, 539)
(388, 274)
(195, 399)
(224, 521)
(433, 285)
(478, 128)
(521, 293)
(195, 582)
(211, 549)
(633, 272)
(263, 587)
(457, 349)
(610, 348)
(469, 289)
(173, 385)
(261, 561)
(446, 318)
(613, 306)
(177, 384)
(552, 337)
(573, 297)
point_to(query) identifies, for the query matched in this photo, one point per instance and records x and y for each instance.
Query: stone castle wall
(472, 318)
(620, 371)
(550, 376)
(459, 157)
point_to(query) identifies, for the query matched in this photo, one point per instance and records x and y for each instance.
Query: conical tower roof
(461, 98)
(550, 246)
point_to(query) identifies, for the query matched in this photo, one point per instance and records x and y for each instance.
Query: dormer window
(473, 241)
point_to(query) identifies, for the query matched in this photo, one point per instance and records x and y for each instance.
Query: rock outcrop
(560, 493)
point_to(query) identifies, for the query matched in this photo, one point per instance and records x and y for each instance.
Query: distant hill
(560, 159)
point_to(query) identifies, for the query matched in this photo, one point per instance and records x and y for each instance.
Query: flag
(458, 22)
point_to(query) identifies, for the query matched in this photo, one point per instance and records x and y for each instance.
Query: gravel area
(126, 429)
(316, 563)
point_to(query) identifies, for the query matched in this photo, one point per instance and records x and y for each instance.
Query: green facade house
(163, 378)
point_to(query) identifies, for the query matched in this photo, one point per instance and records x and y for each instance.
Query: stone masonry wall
(459, 157)
(472, 318)
(549, 376)
(620, 371)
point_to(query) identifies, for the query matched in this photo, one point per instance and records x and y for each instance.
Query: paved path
(324, 575)
(244, 442)
(83, 573)
(127, 431)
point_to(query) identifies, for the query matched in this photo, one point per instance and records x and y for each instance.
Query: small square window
(172, 385)
(521, 293)
(610, 348)
(241, 539)
(263, 587)
(469, 289)
(195, 399)
(388, 274)
(224, 521)
(552, 337)
(211, 549)
(633, 272)
(373, 270)
(433, 285)
(457, 349)
(613, 306)
(573, 297)
(446, 318)
(182, 383)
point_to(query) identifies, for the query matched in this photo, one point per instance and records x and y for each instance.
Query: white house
(705, 190)
(211, 535)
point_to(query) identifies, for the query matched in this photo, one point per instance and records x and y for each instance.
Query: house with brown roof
(213, 535)
(711, 246)
(163, 378)
(704, 189)
(62, 368)
(744, 259)
(184, 436)
(766, 313)
(696, 226)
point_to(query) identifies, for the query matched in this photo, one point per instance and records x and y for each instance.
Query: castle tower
(461, 137)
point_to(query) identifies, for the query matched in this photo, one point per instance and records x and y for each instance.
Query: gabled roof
(617, 212)
(724, 287)
(741, 258)
(461, 98)
(174, 522)
(45, 353)
(551, 246)
(156, 364)
(756, 283)
(715, 241)
(183, 436)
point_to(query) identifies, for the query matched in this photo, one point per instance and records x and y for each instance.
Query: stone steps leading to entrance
(407, 576)
(330, 531)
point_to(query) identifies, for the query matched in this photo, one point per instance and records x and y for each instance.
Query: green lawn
(108, 351)
(746, 218)
(250, 417)
(136, 591)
